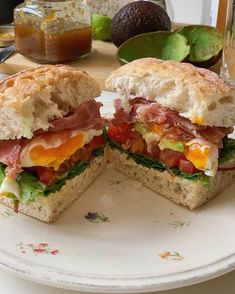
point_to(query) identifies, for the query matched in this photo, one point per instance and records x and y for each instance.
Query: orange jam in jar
(53, 31)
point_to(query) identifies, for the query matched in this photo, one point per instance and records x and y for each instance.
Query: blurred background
(6, 10)
(180, 11)
(193, 11)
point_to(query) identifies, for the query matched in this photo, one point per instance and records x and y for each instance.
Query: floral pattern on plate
(179, 224)
(170, 255)
(95, 217)
(37, 249)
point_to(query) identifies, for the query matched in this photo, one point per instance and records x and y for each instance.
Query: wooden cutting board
(98, 64)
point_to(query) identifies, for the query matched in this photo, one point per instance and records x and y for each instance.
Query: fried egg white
(203, 154)
(10, 186)
(51, 151)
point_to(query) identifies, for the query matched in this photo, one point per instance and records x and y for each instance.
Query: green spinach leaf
(155, 164)
(76, 170)
(228, 151)
(2, 172)
(30, 187)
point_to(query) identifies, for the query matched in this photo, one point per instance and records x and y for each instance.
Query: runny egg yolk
(55, 156)
(198, 155)
(198, 120)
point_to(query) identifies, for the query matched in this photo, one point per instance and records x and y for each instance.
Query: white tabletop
(10, 284)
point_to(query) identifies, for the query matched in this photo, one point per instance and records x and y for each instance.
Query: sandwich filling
(154, 135)
(41, 165)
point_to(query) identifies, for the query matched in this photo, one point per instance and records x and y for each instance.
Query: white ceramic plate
(121, 237)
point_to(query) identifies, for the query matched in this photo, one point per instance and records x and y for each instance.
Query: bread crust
(48, 209)
(30, 99)
(197, 94)
(34, 80)
(188, 193)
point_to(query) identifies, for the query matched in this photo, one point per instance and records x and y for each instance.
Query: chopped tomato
(153, 149)
(135, 143)
(46, 175)
(120, 134)
(96, 142)
(170, 157)
(187, 167)
(138, 145)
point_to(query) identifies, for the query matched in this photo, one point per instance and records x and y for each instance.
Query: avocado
(147, 135)
(170, 144)
(140, 127)
(136, 18)
(162, 45)
(206, 44)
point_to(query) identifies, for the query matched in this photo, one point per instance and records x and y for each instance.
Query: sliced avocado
(147, 135)
(162, 45)
(206, 44)
(140, 127)
(170, 144)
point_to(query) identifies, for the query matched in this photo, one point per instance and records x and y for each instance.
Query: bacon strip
(9, 155)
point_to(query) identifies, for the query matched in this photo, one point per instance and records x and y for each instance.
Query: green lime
(101, 27)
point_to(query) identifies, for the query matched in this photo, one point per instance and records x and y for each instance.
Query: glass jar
(53, 31)
(227, 71)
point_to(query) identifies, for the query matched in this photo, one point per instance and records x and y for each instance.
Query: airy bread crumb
(197, 94)
(32, 98)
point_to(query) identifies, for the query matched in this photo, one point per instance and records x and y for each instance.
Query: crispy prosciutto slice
(9, 155)
(86, 117)
(121, 115)
(141, 126)
(178, 127)
(175, 126)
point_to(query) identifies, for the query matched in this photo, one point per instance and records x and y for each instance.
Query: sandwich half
(51, 139)
(170, 129)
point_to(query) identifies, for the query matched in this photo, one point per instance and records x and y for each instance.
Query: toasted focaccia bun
(170, 129)
(51, 140)
(32, 98)
(195, 93)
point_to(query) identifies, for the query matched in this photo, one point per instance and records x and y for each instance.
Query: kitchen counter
(98, 64)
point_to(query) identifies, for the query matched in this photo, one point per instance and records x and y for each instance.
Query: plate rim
(35, 272)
